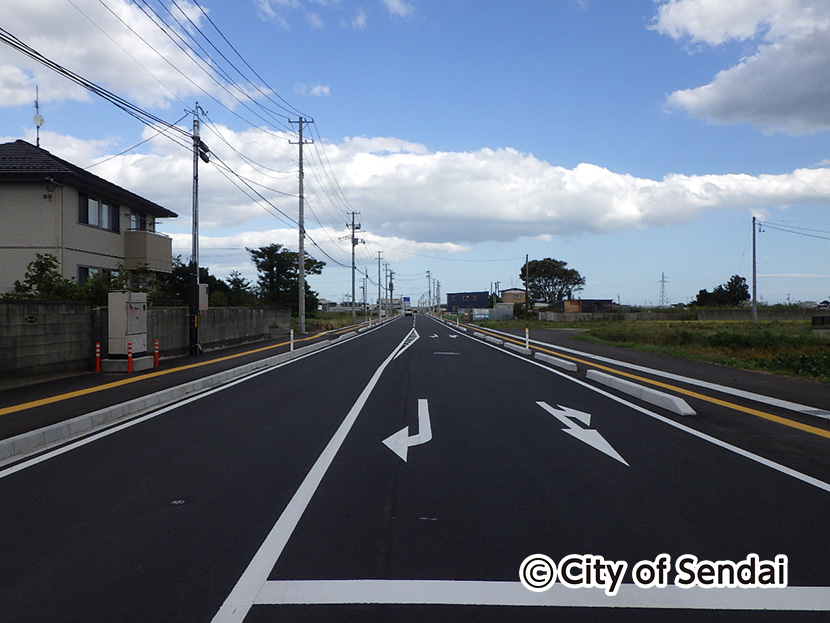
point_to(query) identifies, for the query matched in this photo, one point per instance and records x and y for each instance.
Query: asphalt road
(404, 475)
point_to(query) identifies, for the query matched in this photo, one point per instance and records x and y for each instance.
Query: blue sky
(628, 138)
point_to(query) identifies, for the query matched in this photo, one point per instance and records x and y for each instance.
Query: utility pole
(429, 292)
(386, 286)
(301, 255)
(380, 254)
(754, 277)
(365, 294)
(354, 242)
(438, 297)
(391, 292)
(200, 152)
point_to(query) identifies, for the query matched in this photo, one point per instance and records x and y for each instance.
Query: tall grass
(779, 347)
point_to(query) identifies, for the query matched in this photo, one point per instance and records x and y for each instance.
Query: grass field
(786, 348)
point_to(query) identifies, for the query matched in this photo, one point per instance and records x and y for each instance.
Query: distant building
(457, 301)
(586, 306)
(50, 206)
(513, 295)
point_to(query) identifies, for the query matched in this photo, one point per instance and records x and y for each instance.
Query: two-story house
(48, 205)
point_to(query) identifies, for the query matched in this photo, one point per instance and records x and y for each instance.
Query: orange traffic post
(129, 356)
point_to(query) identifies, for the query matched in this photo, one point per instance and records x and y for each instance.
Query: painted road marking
(566, 415)
(400, 442)
(815, 482)
(481, 593)
(820, 432)
(244, 594)
(98, 388)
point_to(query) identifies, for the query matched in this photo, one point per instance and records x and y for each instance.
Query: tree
(240, 291)
(174, 287)
(43, 280)
(550, 280)
(733, 293)
(279, 276)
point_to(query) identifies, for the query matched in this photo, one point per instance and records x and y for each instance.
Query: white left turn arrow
(400, 442)
(566, 415)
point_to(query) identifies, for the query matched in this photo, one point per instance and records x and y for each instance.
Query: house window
(85, 272)
(97, 213)
(139, 220)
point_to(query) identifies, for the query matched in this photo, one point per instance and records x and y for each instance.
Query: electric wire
(136, 112)
(129, 149)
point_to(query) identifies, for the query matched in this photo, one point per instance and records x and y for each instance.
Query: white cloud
(141, 60)
(359, 20)
(776, 88)
(399, 8)
(416, 197)
(318, 90)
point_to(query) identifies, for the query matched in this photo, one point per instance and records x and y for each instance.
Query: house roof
(23, 162)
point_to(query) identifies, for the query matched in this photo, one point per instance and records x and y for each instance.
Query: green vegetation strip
(784, 348)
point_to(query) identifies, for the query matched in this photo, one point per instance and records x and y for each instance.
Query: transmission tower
(664, 300)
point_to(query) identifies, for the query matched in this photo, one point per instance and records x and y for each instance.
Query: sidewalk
(32, 407)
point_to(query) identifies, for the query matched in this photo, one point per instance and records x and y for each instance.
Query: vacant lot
(787, 348)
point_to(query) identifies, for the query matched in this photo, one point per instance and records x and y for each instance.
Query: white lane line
(244, 594)
(724, 389)
(473, 593)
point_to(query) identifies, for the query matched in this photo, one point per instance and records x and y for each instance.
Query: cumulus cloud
(400, 8)
(142, 63)
(778, 87)
(406, 192)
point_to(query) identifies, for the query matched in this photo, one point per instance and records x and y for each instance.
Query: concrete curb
(652, 396)
(519, 349)
(36, 440)
(479, 335)
(493, 340)
(570, 366)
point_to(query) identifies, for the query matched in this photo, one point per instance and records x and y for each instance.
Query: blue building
(458, 301)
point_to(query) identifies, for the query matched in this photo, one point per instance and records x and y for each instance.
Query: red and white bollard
(97, 356)
(129, 356)
(156, 354)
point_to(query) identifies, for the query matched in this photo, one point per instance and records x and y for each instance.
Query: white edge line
(815, 482)
(484, 593)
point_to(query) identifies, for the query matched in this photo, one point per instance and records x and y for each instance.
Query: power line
(138, 113)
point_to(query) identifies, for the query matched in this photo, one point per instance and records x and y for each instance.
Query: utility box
(127, 322)
(203, 297)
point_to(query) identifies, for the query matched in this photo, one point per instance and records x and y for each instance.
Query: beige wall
(43, 218)
(29, 217)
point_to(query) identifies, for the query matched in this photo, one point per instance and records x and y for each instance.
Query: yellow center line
(98, 388)
(723, 403)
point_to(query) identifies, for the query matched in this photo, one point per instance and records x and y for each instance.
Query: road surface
(406, 474)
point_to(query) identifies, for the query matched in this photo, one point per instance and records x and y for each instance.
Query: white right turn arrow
(400, 442)
(566, 415)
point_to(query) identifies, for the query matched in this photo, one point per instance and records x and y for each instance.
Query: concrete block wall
(42, 337)
(54, 337)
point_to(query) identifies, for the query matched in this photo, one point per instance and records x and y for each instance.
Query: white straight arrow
(566, 415)
(400, 442)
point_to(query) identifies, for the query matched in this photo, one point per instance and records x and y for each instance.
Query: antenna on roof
(38, 119)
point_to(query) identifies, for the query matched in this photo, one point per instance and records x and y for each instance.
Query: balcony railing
(148, 247)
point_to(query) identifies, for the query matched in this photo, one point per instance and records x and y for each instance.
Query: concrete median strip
(517, 348)
(652, 396)
(43, 438)
(556, 361)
